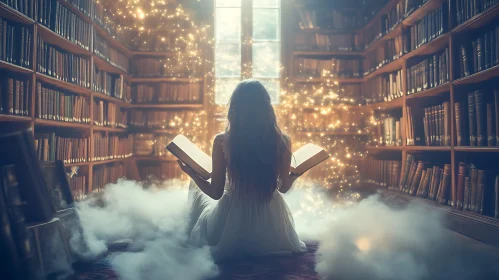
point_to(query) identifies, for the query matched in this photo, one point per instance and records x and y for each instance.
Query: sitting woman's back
(250, 166)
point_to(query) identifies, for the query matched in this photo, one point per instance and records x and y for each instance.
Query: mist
(357, 239)
(155, 218)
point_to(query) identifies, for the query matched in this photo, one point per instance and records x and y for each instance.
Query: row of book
(15, 95)
(384, 173)
(55, 104)
(78, 186)
(480, 53)
(159, 171)
(326, 42)
(84, 6)
(148, 144)
(26, 7)
(111, 147)
(62, 65)
(332, 121)
(64, 22)
(482, 126)
(310, 67)
(109, 114)
(161, 119)
(388, 52)
(430, 72)
(106, 174)
(423, 179)
(16, 43)
(467, 9)
(429, 126)
(109, 54)
(428, 28)
(168, 93)
(384, 87)
(51, 147)
(388, 132)
(107, 83)
(477, 190)
(154, 67)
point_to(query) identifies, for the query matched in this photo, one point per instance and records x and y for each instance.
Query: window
(247, 49)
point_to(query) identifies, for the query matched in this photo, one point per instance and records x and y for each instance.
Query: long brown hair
(256, 143)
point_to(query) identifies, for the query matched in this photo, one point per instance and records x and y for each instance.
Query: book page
(193, 151)
(304, 153)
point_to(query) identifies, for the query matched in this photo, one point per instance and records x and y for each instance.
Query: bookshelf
(64, 96)
(452, 89)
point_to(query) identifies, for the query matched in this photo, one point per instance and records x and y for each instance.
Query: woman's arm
(215, 187)
(287, 179)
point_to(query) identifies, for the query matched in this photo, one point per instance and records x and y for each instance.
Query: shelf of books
(436, 139)
(75, 86)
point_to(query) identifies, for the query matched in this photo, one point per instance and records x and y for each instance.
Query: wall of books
(65, 71)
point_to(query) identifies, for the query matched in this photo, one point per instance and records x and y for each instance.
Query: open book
(303, 159)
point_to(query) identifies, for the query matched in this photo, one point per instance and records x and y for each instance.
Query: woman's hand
(189, 171)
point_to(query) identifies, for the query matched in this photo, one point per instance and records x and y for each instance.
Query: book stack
(64, 22)
(428, 28)
(388, 132)
(107, 83)
(26, 7)
(168, 93)
(108, 114)
(480, 53)
(385, 87)
(159, 171)
(386, 53)
(106, 174)
(427, 180)
(481, 128)
(477, 190)
(154, 67)
(343, 20)
(109, 54)
(62, 65)
(325, 42)
(384, 173)
(345, 68)
(51, 147)
(15, 97)
(465, 10)
(316, 19)
(16, 43)
(428, 73)
(111, 147)
(55, 104)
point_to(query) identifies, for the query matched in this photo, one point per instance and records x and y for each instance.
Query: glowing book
(303, 159)
(307, 157)
(191, 155)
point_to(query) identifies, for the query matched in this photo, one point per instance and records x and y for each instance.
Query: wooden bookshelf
(14, 68)
(449, 91)
(168, 106)
(62, 84)
(154, 158)
(165, 79)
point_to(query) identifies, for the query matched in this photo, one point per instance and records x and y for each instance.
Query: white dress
(240, 225)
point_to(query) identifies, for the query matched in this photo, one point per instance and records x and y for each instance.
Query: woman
(241, 210)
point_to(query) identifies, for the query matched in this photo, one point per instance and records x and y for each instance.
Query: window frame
(246, 45)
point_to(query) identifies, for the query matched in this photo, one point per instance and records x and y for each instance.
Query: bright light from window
(265, 47)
